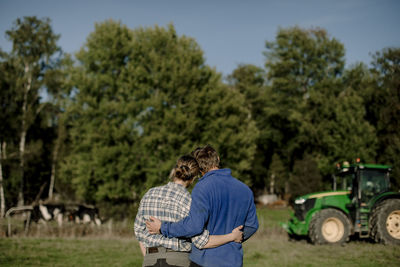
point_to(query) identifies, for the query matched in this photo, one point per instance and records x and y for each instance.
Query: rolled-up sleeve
(201, 240)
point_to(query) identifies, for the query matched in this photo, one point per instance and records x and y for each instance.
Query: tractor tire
(329, 226)
(385, 222)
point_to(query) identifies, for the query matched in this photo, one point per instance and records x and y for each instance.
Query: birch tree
(34, 44)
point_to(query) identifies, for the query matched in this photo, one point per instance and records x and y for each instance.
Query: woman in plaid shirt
(171, 202)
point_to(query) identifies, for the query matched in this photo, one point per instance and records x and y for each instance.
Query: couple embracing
(204, 229)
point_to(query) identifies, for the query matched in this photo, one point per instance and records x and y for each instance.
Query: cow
(266, 199)
(85, 214)
(47, 212)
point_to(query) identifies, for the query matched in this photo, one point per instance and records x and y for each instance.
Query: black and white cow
(48, 212)
(84, 214)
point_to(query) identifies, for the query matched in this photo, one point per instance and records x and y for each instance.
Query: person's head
(185, 170)
(207, 158)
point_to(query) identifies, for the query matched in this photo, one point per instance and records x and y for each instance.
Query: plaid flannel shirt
(169, 203)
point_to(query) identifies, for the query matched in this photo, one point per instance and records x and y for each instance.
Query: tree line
(106, 124)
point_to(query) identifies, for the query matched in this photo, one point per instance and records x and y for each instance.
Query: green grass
(69, 252)
(125, 252)
(269, 218)
(268, 247)
(279, 252)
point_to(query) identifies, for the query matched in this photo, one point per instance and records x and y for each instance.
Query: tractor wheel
(385, 222)
(329, 226)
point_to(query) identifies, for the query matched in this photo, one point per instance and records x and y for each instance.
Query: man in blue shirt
(220, 203)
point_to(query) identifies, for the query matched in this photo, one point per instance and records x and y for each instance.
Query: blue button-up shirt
(220, 203)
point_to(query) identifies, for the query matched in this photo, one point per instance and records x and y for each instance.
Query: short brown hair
(186, 168)
(207, 157)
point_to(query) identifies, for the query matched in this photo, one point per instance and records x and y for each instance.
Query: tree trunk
(23, 137)
(272, 184)
(2, 199)
(22, 167)
(53, 168)
(56, 151)
(22, 164)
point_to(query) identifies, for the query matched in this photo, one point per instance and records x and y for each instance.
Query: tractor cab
(364, 181)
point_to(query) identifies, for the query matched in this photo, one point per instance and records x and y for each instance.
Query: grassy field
(269, 247)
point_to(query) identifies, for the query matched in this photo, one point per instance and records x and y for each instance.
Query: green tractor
(363, 206)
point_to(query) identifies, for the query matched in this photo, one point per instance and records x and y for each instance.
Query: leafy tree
(57, 82)
(144, 98)
(334, 128)
(103, 159)
(7, 110)
(384, 108)
(303, 67)
(315, 106)
(187, 105)
(34, 43)
(9, 116)
(279, 175)
(305, 177)
(356, 136)
(299, 59)
(250, 81)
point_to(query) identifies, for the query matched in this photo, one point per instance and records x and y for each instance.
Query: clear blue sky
(229, 32)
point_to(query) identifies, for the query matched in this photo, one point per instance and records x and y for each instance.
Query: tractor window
(345, 181)
(373, 182)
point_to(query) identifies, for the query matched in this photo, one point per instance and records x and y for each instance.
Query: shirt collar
(216, 172)
(177, 186)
